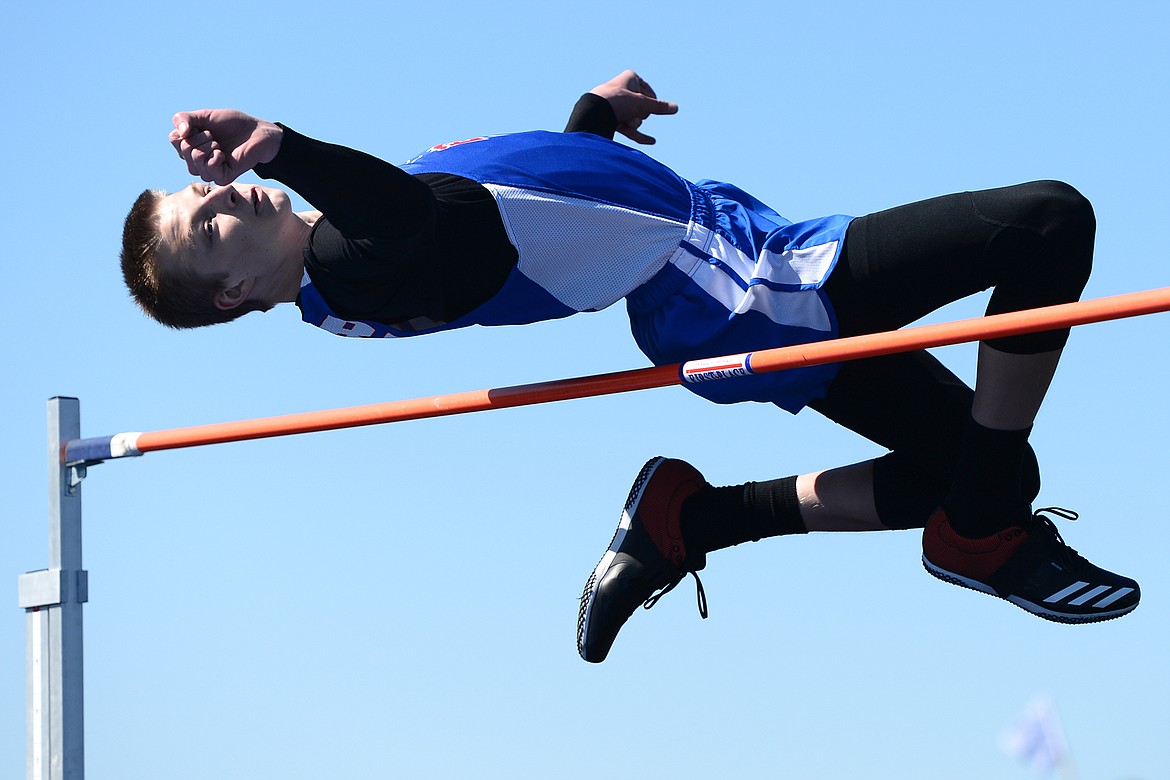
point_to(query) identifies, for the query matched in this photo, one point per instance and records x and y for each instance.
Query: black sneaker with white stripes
(646, 559)
(1030, 566)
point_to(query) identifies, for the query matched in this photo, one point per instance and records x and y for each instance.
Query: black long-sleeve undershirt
(390, 246)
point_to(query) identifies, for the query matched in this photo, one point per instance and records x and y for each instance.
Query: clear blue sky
(401, 601)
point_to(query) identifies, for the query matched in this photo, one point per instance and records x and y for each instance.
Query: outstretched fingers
(643, 105)
(633, 100)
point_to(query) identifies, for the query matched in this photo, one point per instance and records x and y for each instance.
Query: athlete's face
(237, 230)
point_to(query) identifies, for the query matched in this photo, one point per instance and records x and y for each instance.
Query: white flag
(1038, 739)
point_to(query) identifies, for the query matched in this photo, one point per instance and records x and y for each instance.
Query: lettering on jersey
(348, 328)
(709, 369)
(356, 330)
(441, 147)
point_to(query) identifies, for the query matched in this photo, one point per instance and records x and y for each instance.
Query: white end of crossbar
(124, 445)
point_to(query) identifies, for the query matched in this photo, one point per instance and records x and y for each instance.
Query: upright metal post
(52, 599)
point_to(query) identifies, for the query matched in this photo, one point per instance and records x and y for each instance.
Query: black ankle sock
(719, 517)
(986, 495)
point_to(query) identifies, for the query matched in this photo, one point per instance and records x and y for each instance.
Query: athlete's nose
(225, 197)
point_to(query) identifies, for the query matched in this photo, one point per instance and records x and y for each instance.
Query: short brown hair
(171, 293)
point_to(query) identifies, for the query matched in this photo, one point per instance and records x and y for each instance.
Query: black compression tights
(1032, 243)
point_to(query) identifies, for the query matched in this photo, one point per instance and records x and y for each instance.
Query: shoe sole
(619, 536)
(1028, 606)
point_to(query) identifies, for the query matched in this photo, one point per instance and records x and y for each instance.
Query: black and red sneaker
(1030, 566)
(646, 558)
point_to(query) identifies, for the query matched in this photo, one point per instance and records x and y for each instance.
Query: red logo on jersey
(441, 147)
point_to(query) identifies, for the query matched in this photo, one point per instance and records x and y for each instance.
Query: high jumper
(531, 226)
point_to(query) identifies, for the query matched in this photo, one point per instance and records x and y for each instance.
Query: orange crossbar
(905, 340)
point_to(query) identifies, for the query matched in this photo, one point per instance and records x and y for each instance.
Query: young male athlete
(519, 228)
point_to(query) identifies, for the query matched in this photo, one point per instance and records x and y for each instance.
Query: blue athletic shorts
(746, 279)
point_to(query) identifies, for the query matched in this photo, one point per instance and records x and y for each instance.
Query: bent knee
(1069, 230)
(1061, 208)
(1053, 225)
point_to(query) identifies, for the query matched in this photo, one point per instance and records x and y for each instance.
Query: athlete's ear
(231, 297)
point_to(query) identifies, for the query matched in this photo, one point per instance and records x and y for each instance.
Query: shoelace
(700, 594)
(1039, 518)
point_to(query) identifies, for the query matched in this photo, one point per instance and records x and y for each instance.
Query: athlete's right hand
(220, 144)
(633, 101)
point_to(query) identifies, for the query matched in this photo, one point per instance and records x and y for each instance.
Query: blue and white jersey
(706, 269)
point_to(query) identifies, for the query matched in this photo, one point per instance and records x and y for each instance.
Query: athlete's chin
(279, 199)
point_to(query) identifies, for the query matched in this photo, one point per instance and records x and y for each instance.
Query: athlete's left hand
(221, 144)
(633, 100)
